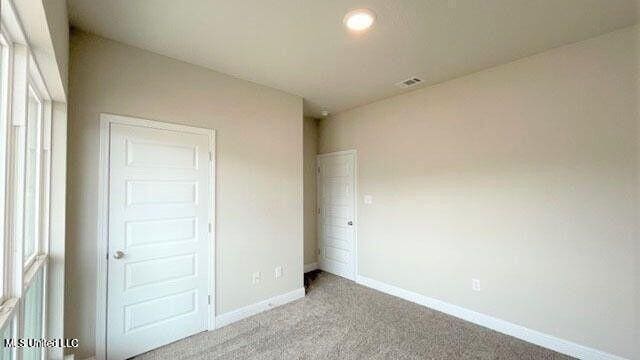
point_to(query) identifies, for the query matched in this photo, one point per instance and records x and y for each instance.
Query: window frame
(20, 76)
(5, 100)
(29, 260)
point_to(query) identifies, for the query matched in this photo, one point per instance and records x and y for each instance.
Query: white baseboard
(310, 267)
(250, 310)
(535, 337)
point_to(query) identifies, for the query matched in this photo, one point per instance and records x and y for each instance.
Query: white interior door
(159, 242)
(336, 215)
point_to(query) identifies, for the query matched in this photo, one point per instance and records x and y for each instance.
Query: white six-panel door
(336, 213)
(159, 243)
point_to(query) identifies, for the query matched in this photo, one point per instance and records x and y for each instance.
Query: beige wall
(524, 176)
(310, 152)
(259, 213)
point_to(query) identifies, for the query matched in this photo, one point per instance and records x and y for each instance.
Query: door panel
(159, 221)
(161, 192)
(150, 232)
(156, 311)
(336, 205)
(159, 270)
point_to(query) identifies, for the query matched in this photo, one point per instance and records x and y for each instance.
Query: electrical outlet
(368, 199)
(475, 285)
(256, 278)
(278, 272)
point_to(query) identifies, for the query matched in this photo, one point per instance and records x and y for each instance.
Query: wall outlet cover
(256, 277)
(475, 285)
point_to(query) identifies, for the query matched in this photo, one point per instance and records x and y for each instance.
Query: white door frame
(103, 217)
(355, 205)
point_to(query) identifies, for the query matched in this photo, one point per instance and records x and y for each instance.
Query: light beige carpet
(339, 319)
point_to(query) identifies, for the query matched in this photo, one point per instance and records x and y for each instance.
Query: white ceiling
(301, 47)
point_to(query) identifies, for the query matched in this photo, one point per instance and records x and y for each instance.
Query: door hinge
(210, 226)
(211, 156)
(318, 169)
(318, 211)
(107, 255)
(209, 299)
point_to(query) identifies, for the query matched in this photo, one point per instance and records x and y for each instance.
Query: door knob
(350, 223)
(118, 255)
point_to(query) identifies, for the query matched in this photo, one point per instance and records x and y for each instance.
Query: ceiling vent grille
(410, 82)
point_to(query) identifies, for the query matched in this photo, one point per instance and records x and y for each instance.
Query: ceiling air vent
(410, 82)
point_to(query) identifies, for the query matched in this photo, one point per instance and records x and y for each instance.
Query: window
(7, 353)
(32, 317)
(34, 114)
(4, 114)
(25, 126)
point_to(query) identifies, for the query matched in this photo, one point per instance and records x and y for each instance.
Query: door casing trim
(103, 218)
(355, 204)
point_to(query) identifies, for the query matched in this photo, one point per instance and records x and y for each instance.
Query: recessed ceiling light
(359, 20)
